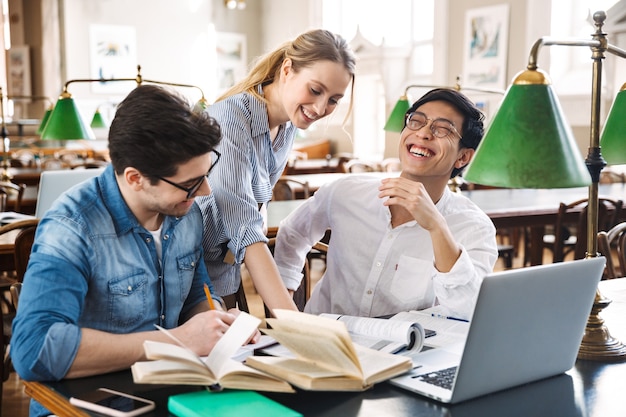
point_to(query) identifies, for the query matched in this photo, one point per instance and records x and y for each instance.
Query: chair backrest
(23, 246)
(288, 188)
(8, 188)
(300, 296)
(615, 238)
(23, 242)
(608, 212)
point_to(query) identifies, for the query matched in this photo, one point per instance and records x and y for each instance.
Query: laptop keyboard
(442, 378)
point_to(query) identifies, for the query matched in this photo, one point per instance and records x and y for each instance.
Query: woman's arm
(266, 279)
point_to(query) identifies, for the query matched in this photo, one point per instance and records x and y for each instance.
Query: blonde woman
(288, 89)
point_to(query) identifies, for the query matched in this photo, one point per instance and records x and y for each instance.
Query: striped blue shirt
(242, 181)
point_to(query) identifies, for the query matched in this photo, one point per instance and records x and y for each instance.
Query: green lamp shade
(613, 139)
(395, 123)
(98, 121)
(65, 123)
(529, 144)
(44, 120)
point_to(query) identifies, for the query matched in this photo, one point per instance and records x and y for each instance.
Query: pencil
(208, 297)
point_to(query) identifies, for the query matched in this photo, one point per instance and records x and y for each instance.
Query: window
(403, 32)
(570, 66)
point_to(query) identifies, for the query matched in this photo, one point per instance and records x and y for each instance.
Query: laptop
(54, 183)
(527, 325)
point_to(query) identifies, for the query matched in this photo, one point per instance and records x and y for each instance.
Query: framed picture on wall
(18, 71)
(113, 54)
(231, 59)
(486, 46)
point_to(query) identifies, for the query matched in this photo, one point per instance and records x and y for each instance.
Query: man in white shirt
(404, 243)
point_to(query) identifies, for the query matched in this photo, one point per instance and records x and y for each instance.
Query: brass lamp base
(597, 343)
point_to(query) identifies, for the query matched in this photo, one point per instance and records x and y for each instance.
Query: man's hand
(414, 198)
(202, 331)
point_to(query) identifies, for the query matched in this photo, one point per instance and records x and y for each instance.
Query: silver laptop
(527, 325)
(54, 183)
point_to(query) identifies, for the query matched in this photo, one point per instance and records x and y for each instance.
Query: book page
(383, 334)
(449, 331)
(378, 366)
(237, 334)
(315, 338)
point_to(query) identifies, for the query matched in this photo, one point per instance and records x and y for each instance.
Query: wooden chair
(11, 189)
(575, 242)
(288, 188)
(23, 244)
(613, 241)
(300, 296)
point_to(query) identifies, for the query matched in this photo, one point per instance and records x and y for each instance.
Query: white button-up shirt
(374, 269)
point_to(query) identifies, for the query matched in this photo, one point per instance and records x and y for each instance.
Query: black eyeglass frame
(432, 122)
(194, 188)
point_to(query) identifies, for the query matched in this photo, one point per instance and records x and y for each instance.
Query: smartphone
(112, 403)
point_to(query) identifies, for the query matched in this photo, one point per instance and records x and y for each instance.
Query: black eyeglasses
(441, 128)
(194, 188)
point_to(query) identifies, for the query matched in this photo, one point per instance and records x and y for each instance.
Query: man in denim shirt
(122, 252)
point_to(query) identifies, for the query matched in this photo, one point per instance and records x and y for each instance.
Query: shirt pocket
(187, 265)
(412, 280)
(127, 299)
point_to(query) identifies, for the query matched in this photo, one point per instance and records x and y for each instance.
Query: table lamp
(530, 145)
(613, 139)
(65, 122)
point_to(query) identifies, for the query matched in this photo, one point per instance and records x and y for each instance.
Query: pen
(448, 317)
(208, 297)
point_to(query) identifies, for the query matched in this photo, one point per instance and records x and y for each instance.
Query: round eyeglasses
(196, 185)
(440, 128)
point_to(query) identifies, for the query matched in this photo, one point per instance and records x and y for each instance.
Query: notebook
(230, 403)
(527, 325)
(54, 183)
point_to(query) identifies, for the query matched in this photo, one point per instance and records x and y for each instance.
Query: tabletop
(589, 389)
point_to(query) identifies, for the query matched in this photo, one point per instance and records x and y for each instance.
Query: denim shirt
(93, 265)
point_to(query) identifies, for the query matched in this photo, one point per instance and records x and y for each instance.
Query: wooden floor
(15, 402)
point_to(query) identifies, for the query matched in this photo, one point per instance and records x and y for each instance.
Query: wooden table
(589, 389)
(533, 208)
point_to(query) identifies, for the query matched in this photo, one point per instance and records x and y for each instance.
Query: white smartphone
(112, 403)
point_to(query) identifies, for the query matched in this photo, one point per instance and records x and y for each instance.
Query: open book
(324, 357)
(449, 331)
(177, 364)
(382, 334)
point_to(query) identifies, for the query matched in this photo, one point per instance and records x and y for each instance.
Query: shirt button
(148, 240)
(193, 264)
(162, 317)
(378, 263)
(165, 237)
(130, 288)
(390, 236)
(369, 292)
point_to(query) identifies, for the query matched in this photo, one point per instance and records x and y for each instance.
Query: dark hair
(472, 128)
(155, 130)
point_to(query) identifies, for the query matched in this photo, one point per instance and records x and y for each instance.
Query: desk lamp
(65, 121)
(530, 145)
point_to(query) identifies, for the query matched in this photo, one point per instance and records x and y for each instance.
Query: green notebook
(231, 403)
